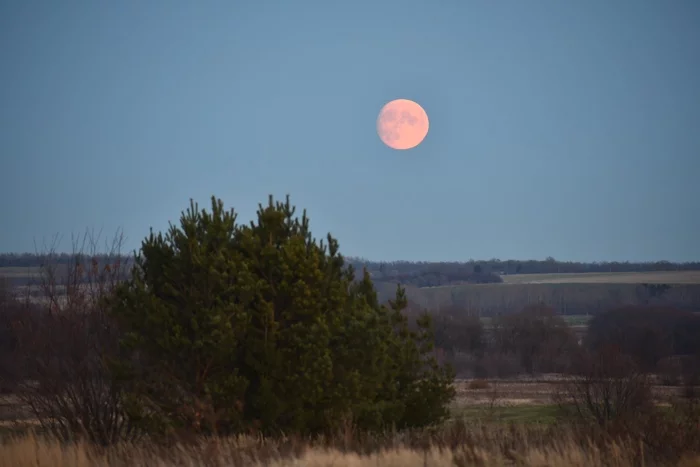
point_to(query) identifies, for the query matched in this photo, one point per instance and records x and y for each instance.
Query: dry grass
(476, 447)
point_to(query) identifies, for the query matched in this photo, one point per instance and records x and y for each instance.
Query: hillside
(569, 294)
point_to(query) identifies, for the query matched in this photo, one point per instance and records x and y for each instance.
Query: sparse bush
(608, 389)
(244, 327)
(63, 343)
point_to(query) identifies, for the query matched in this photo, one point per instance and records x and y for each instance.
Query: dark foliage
(649, 334)
(455, 333)
(539, 337)
(233, 327)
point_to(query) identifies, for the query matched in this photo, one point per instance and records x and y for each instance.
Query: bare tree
(66, 339)
(609, 388)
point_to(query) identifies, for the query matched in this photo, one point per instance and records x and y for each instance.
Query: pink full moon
(402, 124)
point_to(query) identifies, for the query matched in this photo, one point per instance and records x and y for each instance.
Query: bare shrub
(66, 338)
(609, 388)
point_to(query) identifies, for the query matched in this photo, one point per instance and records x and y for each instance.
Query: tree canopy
(230, 327)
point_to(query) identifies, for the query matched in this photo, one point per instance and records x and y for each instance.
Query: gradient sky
(562, 128)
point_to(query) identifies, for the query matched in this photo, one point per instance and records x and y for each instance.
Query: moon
(402, 124)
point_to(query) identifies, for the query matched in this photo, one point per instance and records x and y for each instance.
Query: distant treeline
(423, 274)
(31, 260)
(427, 274)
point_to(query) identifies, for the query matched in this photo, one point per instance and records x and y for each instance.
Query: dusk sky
(557, 128)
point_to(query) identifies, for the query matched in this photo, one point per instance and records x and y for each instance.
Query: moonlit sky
(562, 128)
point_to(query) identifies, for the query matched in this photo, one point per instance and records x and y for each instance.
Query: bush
(62, 342)
(608, 389)
(231, 327)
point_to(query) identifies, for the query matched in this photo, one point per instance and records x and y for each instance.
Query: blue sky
(569, 129)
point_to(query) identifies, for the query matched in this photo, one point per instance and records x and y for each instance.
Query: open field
(574, 321)
(568, 294)
(657, 277)
(20, 272)
(653, 277)
(491, 426)
(567, 298)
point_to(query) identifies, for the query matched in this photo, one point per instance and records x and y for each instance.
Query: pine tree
(233, 327)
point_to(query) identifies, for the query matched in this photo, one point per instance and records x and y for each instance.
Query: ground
(521, 400)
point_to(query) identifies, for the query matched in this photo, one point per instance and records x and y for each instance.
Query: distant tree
(478, 269)
(609, 388)
(236, 327)
(455, 333)
(646, 333)
(537, 335)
